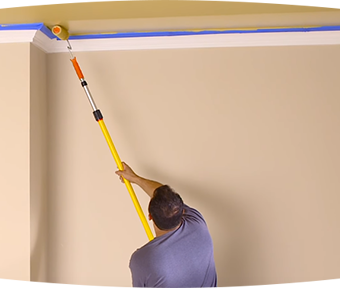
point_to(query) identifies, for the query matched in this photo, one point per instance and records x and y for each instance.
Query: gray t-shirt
(180, 258)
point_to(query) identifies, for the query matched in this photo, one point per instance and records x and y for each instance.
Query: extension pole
(63, 34)
(99, 118)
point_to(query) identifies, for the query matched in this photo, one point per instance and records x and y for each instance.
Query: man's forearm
(149, 186)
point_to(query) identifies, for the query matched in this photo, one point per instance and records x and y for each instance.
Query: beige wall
(247, 135)
(14, 164)
(38, 164)
(23, 205)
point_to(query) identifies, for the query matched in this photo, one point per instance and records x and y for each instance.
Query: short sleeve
(136, 272)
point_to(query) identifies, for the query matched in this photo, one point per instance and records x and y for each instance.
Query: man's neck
(160, 232)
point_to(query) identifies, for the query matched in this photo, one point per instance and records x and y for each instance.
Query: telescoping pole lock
(63, 34)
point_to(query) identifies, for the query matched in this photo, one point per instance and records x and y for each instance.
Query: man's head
(166, 208)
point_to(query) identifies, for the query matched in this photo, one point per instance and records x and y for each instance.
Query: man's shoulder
(147, 255)
(142, 249)
(146, 250)
(192, 213)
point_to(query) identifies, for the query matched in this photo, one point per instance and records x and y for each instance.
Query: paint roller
(63, 34)
(60, 32)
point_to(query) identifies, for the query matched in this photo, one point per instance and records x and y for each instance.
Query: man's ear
(150, 217)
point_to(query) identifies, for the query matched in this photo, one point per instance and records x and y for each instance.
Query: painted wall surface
(14, 164)
(38, 164)
(248, 136)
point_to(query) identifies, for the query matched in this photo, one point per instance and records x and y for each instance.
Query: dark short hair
(166, 208)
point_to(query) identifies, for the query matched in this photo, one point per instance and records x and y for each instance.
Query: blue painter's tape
(302, 29)
(47, 31)
(30, 26)
(205, 32)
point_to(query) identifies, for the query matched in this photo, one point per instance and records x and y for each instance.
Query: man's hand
(127, 173)
(147, 185)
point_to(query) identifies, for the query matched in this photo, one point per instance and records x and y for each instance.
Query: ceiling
(115, 16)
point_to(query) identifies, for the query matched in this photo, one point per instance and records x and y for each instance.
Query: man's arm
(147, 185)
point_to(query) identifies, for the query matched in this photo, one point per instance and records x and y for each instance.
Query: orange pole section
(77, 68)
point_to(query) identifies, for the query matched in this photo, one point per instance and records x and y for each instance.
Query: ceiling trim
(43, 38)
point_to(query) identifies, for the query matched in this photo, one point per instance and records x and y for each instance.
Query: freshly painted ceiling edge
(42, 37)
(203, 32)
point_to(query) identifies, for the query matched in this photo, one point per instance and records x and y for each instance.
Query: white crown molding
(202, 41)
(17, 36)
(43, 42)
(48, 45)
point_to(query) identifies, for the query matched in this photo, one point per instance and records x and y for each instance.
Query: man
(181, 255)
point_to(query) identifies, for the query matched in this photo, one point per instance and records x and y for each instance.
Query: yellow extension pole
(63, 34)
(99, 118)
(127, 183)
